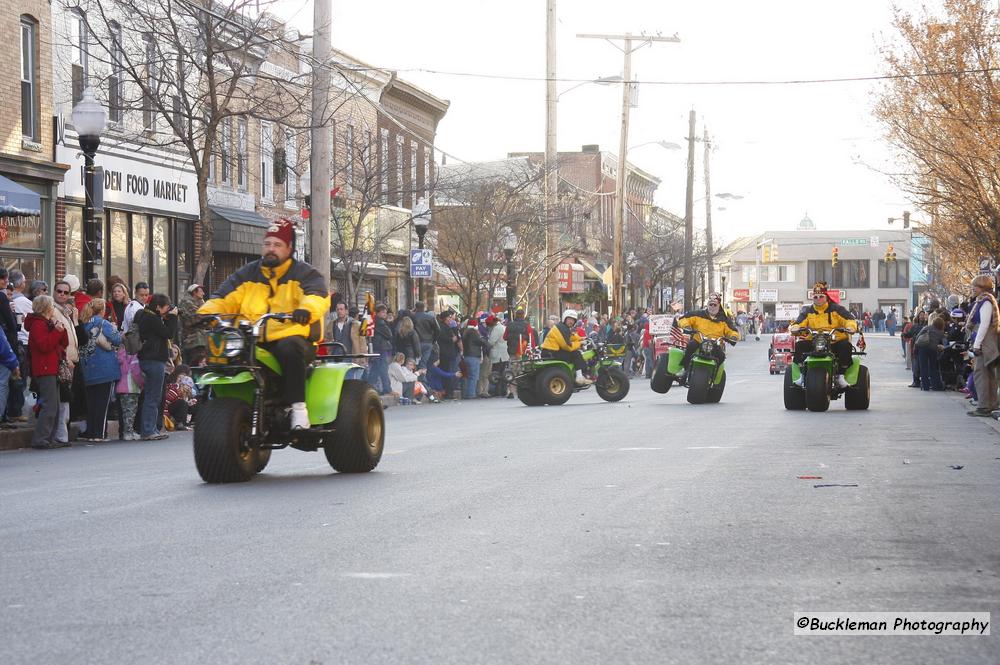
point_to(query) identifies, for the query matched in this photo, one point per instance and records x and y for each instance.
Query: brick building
(29, 170)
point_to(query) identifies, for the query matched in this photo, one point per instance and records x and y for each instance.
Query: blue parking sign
(420, 263)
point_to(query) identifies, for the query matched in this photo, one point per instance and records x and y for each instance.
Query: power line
(846, 79)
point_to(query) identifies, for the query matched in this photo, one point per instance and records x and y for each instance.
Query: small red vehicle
(780, 352)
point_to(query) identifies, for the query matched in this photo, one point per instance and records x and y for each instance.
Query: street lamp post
(89, 120)
(420, 224)
(509, 245)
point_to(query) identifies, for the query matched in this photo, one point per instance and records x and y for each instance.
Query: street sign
(768, 295)
(848, 242)
(873, 241)
(786, 311)
(421, 263)
(985, 265)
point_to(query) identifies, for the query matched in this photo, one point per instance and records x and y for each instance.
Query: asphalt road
(649, 531)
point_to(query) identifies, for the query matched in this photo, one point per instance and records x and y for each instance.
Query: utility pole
(319, 156)
(551, 162)
(689, 221)
(708, 216)
(622, 175)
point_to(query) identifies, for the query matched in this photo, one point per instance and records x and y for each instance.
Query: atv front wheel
(817, 389)
(222, 449)
(698, 384)
(612, 384)
(359, 436)
(715, 392)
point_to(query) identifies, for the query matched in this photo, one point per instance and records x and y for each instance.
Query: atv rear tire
(554, 385)
(715, 392)
(526, 393)
(817, 389)
(222, 452)
(795, 397)
(612, 384)
(858, 396)
(359, 437)
(662, 380)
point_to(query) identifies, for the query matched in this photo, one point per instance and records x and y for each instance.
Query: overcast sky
(788, 149)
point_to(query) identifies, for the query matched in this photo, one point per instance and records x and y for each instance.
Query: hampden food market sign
(144, 183)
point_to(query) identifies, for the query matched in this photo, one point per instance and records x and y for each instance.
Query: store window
(78, 52)
(225, 145)
(852, 274)
(118, 236)
(161, 254)
(383, 165)
(182, 255)
(140, 251)
(266, 162)
(74, 241)
(820, 271)
(116, 78)
(242, 165)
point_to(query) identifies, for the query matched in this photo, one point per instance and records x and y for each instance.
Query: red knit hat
(491, 320)
(283, 230)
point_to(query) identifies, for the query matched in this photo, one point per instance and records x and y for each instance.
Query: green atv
(548, 381)
(243, 416)
(705, 378)
(819, 385)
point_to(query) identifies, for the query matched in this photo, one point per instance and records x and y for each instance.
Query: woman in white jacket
(499, 355)
(402, 378)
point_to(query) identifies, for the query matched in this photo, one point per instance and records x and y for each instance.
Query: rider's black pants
(573, 357)
(841, 349)
(294, 354)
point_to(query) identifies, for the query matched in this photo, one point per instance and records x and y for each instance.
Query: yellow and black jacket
(557, 338)
(825, 317)
(255, 290)
(703, 324)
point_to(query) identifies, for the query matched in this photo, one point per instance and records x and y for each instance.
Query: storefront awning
(237, 231)
(17, 200)
(591, 268)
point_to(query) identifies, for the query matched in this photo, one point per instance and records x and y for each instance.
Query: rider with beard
(278, 283)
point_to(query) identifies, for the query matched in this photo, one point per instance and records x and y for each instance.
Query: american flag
(678, 338)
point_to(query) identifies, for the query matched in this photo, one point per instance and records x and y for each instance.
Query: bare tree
(174, 74)
(940, 112)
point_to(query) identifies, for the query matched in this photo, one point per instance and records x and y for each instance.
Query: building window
(266, 162)
(78, 53)
(140, 250)
(820, 271)
(242, 164)
(291, 161)
(115, 77)
(74, 240)
(183, 255)
(225, 145)
(148, 114)
(118, 236)
(384, 165)
(428, 177)
(161, 255)
(349, 156)
(29, 78)
(852, 274)
(894, 275)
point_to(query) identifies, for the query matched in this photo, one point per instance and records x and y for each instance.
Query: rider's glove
(301, 316)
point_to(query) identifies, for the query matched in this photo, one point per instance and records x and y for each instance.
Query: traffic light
(835, 258)
(890, 254)
(906, 219)
(767, 254)
(774, 252)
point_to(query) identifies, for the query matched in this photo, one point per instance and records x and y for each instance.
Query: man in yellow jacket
(278, 283)
(562, 343)
(824, 315)
(712, 321)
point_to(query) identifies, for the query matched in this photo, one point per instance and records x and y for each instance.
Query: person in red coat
(47, 342)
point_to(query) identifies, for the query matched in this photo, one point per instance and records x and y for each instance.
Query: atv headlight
(225, 344)
(821, 343)
(708, 346)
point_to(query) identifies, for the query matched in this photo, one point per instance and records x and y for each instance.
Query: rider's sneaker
(300, 416)
(842, 382)
(800, 382)
(582, 380)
